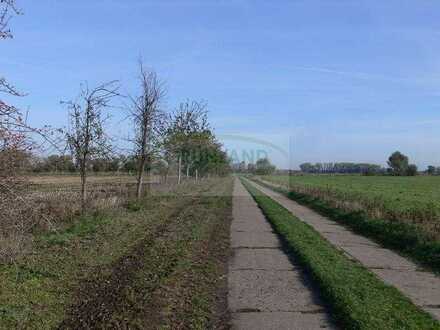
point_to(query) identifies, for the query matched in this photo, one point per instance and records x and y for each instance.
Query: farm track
(421, 287)
(267, 289)
(100, 298)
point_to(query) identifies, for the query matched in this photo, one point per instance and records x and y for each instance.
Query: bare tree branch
(8, 8)
(86, 137)
(148, 120)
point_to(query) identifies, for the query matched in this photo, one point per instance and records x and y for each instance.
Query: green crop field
(413, 199)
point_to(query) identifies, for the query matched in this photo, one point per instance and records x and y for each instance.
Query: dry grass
(75, 179)
(50, 202)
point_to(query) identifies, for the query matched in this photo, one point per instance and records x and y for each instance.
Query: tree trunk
(148, 185)
(179, 170)
(83, 189)
(140, 177)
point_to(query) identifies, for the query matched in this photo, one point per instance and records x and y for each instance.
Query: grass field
(127, 267)
(410, 199)
(358, 299)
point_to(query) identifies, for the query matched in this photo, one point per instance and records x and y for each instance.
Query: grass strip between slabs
(399, 236)
(357, 298)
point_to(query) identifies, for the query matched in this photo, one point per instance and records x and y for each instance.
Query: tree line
(63, 164)
(262, 166)
(398, 165)
(343, 168)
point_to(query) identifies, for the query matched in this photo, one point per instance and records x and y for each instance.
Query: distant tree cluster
(399, 165)
(262, 166)
(432, 170)
(343, 168)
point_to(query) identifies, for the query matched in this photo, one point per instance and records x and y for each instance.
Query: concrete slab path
(423, 288)
(266, 289)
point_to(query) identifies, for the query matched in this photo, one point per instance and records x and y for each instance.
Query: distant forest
(398, 165)
(346, 168)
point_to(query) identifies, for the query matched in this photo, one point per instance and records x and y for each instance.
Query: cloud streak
(352, 74)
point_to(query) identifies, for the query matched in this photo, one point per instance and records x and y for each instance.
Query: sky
(298, 81)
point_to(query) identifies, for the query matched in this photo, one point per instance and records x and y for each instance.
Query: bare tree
(18, 213)
(8, 8)
(15, 142)
(148, 120)
(8, 113)
(10, 117)
(85, 136)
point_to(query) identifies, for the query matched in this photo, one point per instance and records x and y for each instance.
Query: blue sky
(322, 80)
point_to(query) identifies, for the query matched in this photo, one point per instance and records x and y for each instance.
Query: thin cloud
(351, 74)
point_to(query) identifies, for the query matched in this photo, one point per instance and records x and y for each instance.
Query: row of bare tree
(183, 136)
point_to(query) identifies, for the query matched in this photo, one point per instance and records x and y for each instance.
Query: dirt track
(152, 285)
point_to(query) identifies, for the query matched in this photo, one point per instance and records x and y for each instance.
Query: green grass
(357, 298)
(406, 238)
(410, 199)
(84, 226)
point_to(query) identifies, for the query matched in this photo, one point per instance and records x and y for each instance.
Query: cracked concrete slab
(266, 290)
(253, 239)
(422, 288)
(256, 226)
(260, 259)
(376, 257)
(280, 320)
(346, 238)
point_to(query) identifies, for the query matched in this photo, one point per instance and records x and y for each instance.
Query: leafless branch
(86, 137)
(8, 8)
(148, 119)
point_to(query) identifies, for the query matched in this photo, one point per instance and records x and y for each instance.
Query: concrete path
(266, 290)
(423, 288)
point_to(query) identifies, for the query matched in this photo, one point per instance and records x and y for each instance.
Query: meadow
(410, 199)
